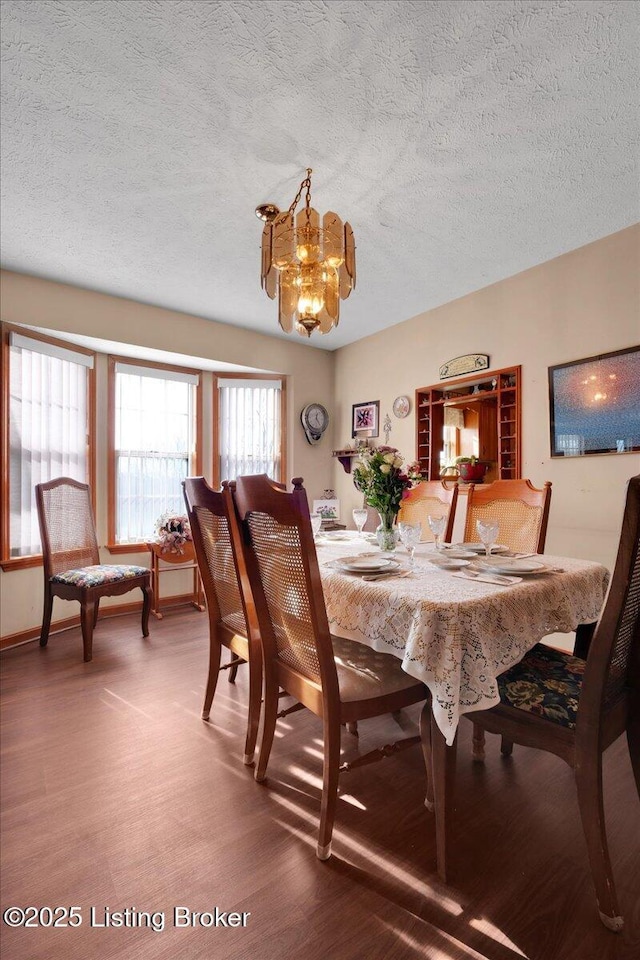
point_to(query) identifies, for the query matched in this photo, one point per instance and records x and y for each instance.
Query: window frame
(195, 466)
(217, 432)
(35, 560)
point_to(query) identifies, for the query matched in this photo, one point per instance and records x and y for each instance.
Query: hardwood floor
(116, 794)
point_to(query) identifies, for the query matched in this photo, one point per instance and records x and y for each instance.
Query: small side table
(178, 561)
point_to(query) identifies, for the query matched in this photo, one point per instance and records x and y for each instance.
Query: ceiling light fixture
(310, 267)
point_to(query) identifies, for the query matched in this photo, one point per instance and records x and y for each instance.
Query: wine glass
(488, 532)
(316, 523)
(360, 515)
(437, 525)
(410, 536)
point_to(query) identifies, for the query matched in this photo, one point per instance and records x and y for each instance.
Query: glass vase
(386, 533)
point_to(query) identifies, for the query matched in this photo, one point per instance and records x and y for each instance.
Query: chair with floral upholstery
(576, 708)
(232, 622)
(339, 680)
(430, 497)
(72, 568)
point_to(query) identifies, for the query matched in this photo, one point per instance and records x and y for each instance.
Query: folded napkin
(499, 579)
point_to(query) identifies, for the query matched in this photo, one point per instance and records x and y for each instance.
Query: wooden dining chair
(339, 680)
(430, 497)
(521, 509)
(232, 622)
(71, 561)
(575, 709)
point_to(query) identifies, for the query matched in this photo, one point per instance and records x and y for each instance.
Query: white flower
(385, 468)
(389, 458)
(397, 462)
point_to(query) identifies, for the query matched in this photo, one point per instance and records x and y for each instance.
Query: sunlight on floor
(127, 703)
(489, 930)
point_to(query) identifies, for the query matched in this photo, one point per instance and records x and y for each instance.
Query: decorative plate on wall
(401, 407)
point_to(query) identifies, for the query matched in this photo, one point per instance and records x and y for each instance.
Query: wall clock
(315, 420)
(401, 407)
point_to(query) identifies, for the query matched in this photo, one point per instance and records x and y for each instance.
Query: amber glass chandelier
(310, 267)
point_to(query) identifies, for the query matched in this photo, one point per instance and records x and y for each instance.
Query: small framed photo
(365, 418)
(328, 509)
(594, 404)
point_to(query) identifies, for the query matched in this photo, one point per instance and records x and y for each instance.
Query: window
(250, 434)
(153, 445)
(49, 414)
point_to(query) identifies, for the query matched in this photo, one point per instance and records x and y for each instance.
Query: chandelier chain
(305, 183)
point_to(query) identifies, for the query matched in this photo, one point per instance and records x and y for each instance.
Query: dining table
(456, 630)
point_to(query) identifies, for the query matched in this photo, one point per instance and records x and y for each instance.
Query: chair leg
(215, 651)
(147, 602)
(478, 743)
(87, 614)
(233, 671)
(95, 613)
(589, 783)
(270, 715)
(425, 739)
(330, 773)
(255, 699)
(46, 616)
(506, 747)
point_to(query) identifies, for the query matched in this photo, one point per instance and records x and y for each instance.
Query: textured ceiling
(464, 141)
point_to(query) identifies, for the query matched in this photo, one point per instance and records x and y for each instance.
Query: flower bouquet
(173, 531)
(380, 476)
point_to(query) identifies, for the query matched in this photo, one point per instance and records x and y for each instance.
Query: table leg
(443, 759)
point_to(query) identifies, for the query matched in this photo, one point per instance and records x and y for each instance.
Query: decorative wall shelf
(345, 457)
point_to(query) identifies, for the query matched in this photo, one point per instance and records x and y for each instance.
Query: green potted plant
(471, 469)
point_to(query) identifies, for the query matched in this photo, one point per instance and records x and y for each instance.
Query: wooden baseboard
(57, 626)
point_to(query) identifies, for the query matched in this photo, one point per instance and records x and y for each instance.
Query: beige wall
(581, 304)
(58, 307)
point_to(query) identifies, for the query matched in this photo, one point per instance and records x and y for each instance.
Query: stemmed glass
(360, 515)
(437, 525)
(488, 532)
(410, 536)
(316, 523)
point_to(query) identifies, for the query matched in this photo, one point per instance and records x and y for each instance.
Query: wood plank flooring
(116, 794)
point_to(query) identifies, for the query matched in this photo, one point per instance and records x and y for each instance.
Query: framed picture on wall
(594, 405)
(365, 419)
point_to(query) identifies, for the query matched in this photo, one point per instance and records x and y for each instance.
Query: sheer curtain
(250, 427)
(48, 429)
(154, 444)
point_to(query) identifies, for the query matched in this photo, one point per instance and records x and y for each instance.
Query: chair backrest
(285, 578)
(430, 497)
(67, 527)
(220, 560)
(612, 672)
(521, 509)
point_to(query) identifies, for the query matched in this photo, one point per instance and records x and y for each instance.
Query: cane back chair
(222, 568)
(521, 509)
(430, 497)
(72, 568)
(339, 680)
(576, 708)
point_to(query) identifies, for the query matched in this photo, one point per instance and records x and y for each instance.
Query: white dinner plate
(480, 547)
(452, 552)
(334, 535)
(365, 564)
(511, 565)
(450, 563)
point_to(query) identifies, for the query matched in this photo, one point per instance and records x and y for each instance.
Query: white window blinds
(250, 428)
(154, 445)
(48, 429)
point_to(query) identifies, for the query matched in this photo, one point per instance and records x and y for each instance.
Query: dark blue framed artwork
(594, 405)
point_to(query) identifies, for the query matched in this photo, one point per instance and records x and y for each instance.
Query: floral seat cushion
(547, 683)
(99, 574)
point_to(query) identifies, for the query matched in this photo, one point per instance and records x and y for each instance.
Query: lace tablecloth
(457, 635)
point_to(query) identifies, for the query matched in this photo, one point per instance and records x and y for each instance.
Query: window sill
(21, 563)
(126, 547)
